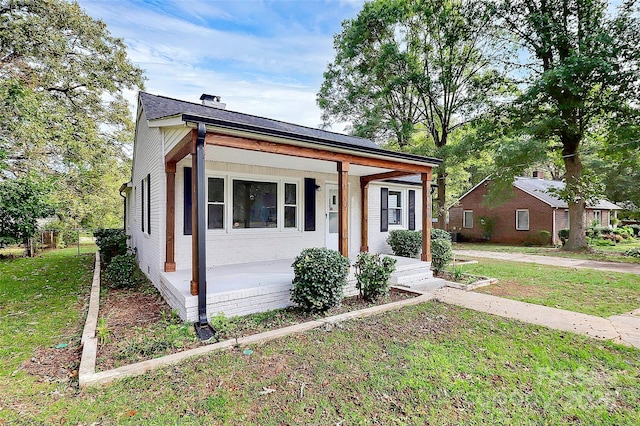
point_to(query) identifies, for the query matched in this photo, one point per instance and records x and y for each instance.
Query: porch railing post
(364, 235)
(170, 247)
(426, 217)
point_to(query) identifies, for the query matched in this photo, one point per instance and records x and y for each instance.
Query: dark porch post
(343, 208)
(364, 223)
(170, 247)
(194, 217)
(426, 217)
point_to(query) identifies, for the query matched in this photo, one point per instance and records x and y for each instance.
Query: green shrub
(563, 234)
(544, 237)
(123, 272)
(634, 252)
(601, 242)
(372, 273)
(111, 242)
(441, 254)
(320, 277)
(488, 224)
(438, 234)
(636, 230)
(405, 243)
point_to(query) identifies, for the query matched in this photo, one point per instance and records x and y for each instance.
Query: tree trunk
(577, 236)
(442, 192)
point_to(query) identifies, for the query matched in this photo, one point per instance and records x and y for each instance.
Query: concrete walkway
(624, 329)
(631, 268)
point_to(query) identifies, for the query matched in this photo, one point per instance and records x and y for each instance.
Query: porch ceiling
(256, 158)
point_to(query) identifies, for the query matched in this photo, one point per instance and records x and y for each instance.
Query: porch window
(467, 219)
(255, 204)
(395, 208)
(290, 205)
(215, 203)
(597, 217)
(522, 220)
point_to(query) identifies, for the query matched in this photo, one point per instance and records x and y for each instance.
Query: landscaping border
(88, 377)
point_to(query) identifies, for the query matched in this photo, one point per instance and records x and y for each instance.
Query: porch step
(410, 276)
(426, 285)
(409, 264)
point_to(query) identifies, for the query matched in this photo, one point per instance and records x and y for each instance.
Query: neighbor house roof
(159, 107)
(539, 188)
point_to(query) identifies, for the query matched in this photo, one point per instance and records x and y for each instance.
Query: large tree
(580, 65)
(403, 66)
(62, 110)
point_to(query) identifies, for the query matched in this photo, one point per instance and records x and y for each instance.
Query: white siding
(172, 136)
(148, 159)
(377, 239)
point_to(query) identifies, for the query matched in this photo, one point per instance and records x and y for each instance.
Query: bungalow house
(220, 203)
(530, 209)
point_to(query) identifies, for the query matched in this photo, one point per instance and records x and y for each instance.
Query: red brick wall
(540, 216)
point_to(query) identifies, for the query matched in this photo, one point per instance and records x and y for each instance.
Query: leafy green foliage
(563, 234)
(634, 252)
(372, 273)
(22, 202)
(488, 224)
(111, 242)
(320, 277)
(405, 243)
(123, 272)
(441, 254)
(62, 112)
(440, 234)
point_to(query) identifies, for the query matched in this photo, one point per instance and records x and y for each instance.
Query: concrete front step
(407, 277)
(409, 264)
(425, 285)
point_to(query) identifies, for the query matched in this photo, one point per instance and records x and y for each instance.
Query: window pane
(522, 220)
(216, 216)
(394, 216)
(467, 219)
(255, 204)
(216, 190)
(290, 217)
(290, 193)
(333, 222)
(394, 200)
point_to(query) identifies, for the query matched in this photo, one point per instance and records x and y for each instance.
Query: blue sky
(262, 57)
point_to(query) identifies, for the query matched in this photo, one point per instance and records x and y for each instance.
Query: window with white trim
(255, 204)
(467, 219)
(566, 219)
(597, 217)
(395, 208)
(215, 203)
(522, 220)
(290, 205)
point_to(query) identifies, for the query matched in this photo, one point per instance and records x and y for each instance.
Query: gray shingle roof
(539, 188)
(157, 107)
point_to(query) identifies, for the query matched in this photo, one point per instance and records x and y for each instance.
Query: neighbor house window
(255, 204)
(597, 217)
(467, 219)
(215, 203)
(522, 220)
(290, 205)
(566, 218)
(395, 208)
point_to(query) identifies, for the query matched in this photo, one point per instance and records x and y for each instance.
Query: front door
(331, 227)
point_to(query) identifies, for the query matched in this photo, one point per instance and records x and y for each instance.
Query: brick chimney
(212, 101)
(538, 174)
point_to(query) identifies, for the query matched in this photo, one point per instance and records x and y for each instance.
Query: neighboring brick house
(531, 209)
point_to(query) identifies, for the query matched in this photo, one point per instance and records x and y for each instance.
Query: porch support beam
(194, 217)
(386, 175)
(364, 219)
(426, 217)
(343, 208)
(182, 148)
(313, 153)
(170, 246)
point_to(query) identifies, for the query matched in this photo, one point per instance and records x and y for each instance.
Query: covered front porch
(251, 287)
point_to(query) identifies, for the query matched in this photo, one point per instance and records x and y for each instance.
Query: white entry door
(331, 228)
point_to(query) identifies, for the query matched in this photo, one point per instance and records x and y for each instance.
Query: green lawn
(426, 364)
(609, 253)
(580, 290)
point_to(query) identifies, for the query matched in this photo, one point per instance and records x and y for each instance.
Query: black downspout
(124, 216)
(204, 330)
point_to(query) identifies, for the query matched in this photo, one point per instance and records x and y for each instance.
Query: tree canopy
(580, 77)
(62, 109)
(403, 66)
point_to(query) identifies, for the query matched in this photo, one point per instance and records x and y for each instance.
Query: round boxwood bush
(123, 272)
(441, 254)
(372, 273)
(320, 277)
(405, 243)
(440, 234)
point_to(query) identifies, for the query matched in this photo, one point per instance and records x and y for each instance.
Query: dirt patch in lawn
(136, 325)
(55, 364)
(512, 289)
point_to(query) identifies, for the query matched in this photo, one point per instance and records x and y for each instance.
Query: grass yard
(607, 253)
(580, 290)
(426, 364)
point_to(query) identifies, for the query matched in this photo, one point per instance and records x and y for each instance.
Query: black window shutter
(149, 204)
(384, 209)
(412, 210)
(187, 201)
(309, 204)
(142, 201)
